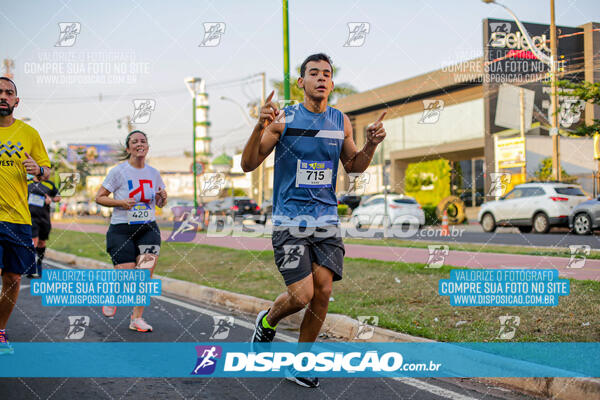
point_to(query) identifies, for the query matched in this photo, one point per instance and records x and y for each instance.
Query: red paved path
(591, 269)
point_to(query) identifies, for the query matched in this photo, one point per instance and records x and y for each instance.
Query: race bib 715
(314, 174)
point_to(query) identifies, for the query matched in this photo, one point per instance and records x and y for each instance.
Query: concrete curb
(346, 328)
(335, 325)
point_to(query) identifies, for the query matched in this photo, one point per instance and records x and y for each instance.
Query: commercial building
(450, 114)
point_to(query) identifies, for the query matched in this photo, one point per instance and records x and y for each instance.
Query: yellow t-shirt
(15, 140)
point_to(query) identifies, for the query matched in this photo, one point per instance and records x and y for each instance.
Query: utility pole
(385, 194)
(522, 112)
(261, 167)
(554, 98)
(286, 52)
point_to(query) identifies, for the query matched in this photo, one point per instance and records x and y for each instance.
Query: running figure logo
(366, 326)
(185, 230)
(437, 255)
(68, 183)
(212, 34)
(142, 109)
(508, 326)
(222, 326)
(77, 325)
(499, 183)
(432, 109)
(504, 27)
(358, 33)
(212, 184)
(358, 183)
(498, 32)
(570, 111)
(68, 33)
(149, 253)
(292, 255)
(207, 359)
(579, 253)
(287, 117)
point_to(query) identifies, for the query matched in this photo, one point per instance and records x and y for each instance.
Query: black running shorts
(125, 242)
(295, 251)
(40, 227)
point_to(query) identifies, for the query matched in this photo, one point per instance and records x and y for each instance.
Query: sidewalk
(591, 269)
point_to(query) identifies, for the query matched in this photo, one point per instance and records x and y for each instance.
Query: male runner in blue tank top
(309, 141)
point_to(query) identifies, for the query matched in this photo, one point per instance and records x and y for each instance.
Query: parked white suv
(538, 206)
(402, 210)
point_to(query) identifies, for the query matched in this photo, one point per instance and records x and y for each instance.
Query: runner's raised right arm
(264, 137)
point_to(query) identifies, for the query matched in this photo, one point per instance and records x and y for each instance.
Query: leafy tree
(588, 92)
(340, 89)
(544, 172)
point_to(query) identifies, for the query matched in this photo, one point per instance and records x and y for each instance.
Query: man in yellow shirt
(21, 152)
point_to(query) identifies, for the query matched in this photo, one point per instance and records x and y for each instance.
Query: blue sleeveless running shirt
(306, 163)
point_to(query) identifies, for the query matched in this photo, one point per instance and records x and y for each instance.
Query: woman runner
(133, 238)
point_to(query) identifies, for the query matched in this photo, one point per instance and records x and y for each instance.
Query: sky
(143, 50)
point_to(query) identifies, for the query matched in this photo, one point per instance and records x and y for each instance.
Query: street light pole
(194, 154)
(243, 111)
(286, 52)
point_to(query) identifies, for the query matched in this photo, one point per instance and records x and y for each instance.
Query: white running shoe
(140, 325)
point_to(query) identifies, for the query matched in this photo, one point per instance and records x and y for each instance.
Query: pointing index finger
(27, 155)
(270, 97)
(381, 117)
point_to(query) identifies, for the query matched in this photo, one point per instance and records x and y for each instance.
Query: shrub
(430, 215)
(343, 209)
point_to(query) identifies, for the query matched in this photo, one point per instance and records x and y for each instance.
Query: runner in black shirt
(41, 195)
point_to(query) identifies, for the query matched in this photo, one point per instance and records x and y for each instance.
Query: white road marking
(201, 310)
(428, 387)
(419, 384)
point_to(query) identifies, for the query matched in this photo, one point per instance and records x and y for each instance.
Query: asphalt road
(179, 320)
(557, 237)
(504, 236)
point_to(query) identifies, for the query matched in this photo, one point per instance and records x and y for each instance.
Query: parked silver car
(536, 206)
(585, 217)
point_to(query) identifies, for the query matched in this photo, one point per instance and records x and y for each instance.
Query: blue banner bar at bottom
(345, 359)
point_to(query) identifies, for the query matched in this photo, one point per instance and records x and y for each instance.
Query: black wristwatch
(41, 172)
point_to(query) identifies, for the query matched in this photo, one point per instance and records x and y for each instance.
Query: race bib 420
(140, 213)
(314, 174)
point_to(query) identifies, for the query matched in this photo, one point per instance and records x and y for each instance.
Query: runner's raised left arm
(353, 159)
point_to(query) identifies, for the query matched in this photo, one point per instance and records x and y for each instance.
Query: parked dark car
(350, 200)
(235, 207)
(467, 198)
(266, 210)
(585, 217)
